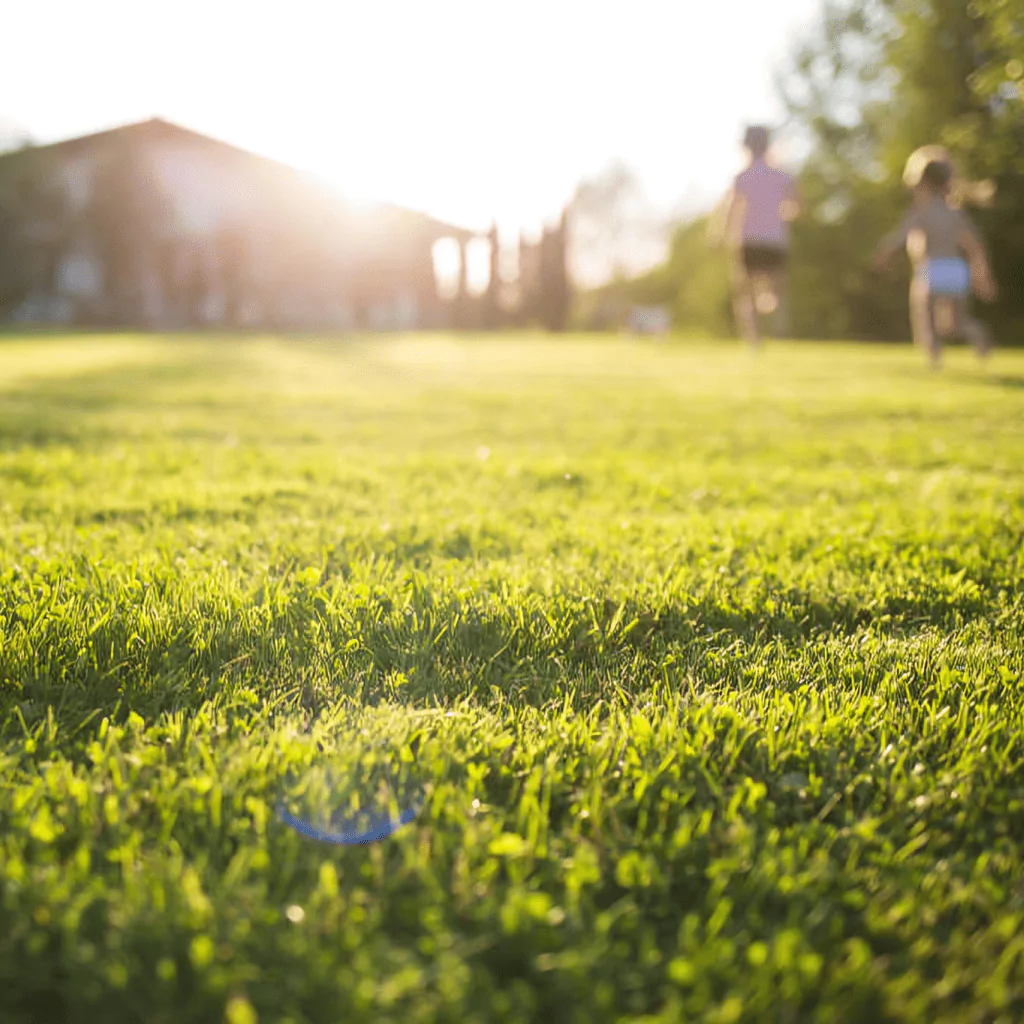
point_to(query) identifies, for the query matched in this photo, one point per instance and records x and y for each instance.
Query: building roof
(157, 128)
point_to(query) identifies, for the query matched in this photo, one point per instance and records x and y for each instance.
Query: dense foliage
(872, 82)
(878, 80)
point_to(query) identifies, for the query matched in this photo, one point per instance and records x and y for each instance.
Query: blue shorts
(947, 277)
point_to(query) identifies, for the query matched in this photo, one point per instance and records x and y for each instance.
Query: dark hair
(937, 174)
(757, 138)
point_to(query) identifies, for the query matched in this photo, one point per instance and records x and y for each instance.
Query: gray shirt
(932, 231)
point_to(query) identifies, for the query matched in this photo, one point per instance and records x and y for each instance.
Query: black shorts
(763, 259)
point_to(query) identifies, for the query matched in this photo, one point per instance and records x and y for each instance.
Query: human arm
(981, 271)
(893, 242)
(793, 204)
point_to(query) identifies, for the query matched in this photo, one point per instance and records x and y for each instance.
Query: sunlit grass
(709, 668)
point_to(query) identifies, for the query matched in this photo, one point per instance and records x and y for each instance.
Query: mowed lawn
(708, 670)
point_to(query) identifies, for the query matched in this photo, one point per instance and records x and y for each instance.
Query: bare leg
(921, 323)
(778, 283)
(944, 316)
(743, 305)
(973, 330)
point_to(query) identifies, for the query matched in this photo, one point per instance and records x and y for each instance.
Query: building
(157, 226)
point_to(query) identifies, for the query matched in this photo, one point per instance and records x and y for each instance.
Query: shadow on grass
(1004, 380)
(82, 409)
(300, 652)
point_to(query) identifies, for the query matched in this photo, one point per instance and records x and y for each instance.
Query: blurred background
(468, 165)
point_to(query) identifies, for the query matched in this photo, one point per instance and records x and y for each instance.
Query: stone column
(460, 307)
(493, 304)
(463, 292)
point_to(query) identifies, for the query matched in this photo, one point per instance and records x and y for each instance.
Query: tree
(836, 88)
(31, 227)
(872, 83)
(614, 233)
(999, 82)
(554, 298)
(693, 283)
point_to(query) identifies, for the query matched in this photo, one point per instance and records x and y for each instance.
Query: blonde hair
(960, 192)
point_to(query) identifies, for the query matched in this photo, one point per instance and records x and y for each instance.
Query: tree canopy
(873, 82)
(869, 84)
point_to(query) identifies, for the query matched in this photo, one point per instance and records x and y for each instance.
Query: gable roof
(156, 128)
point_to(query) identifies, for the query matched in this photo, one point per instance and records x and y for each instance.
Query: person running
(947, 255)
(755, 223)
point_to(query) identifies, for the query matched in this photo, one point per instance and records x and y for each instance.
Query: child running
(947, 256)
(755, 222)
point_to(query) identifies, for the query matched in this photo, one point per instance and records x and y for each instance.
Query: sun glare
(447, 261)
(453, 108)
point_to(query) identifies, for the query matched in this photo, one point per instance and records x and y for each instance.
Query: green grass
(710, 668)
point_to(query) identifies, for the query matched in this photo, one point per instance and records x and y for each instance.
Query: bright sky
(465, 109)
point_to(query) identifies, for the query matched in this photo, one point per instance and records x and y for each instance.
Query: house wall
(165, 232)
